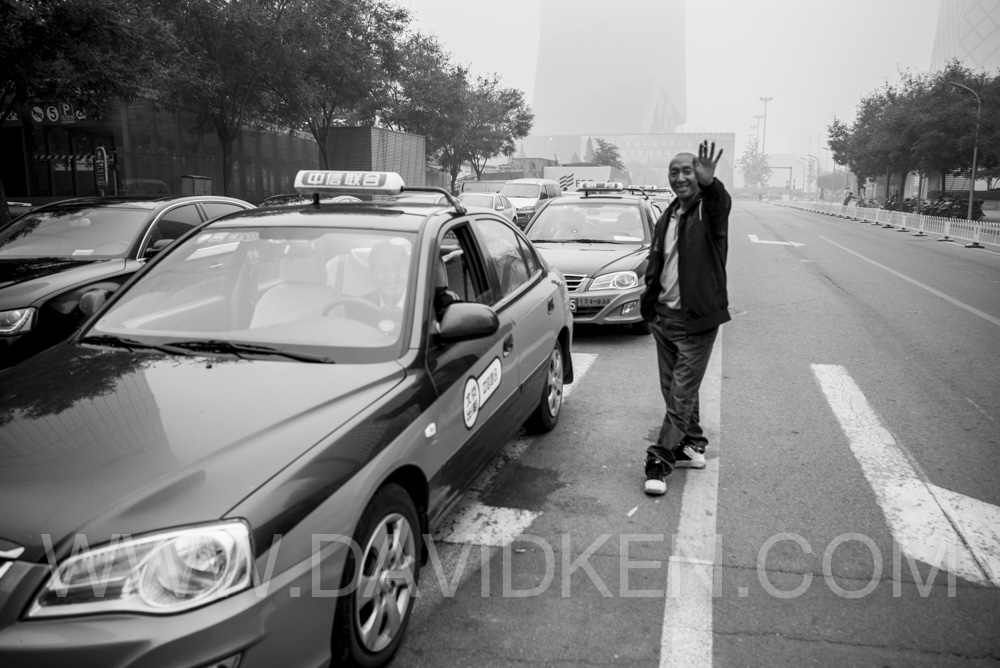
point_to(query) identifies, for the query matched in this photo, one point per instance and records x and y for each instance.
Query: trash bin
(196, 185)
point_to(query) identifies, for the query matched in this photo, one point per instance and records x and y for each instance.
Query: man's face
(389, 272)
(682, 178)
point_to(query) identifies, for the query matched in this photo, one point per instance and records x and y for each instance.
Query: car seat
(302, 292)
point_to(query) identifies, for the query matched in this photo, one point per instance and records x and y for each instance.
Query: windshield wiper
(236, 348)
(123, 342)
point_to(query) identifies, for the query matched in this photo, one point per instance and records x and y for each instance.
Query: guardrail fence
(976, 232)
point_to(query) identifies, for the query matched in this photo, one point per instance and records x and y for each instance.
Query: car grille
(587, 311)
(573, 281)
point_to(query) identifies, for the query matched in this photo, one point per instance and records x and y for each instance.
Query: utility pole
(763, 142)
(975, 144)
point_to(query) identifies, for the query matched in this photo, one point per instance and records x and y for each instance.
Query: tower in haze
(607, 69)
(968, 30)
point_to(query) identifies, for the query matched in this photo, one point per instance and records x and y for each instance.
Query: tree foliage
(921, 123)
(227, 62)
(753, 166)
(74, 51)
(345, 55)
(276, 64)
(607, 154)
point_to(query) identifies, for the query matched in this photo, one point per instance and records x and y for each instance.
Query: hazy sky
(816, 58)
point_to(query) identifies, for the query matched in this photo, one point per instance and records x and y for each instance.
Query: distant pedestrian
(848, 198)
(686, 300)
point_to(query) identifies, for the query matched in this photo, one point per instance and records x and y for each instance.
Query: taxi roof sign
(601, 185)
(335, 182)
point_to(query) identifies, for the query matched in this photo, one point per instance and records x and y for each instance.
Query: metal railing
(976, 232)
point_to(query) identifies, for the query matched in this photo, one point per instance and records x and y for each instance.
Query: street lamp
(802, 163)
(758, 117)
(975, 144)
(763, 141)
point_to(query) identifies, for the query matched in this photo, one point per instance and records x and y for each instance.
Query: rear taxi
(600, 241)
(240, 455)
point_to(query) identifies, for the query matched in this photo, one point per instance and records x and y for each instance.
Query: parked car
(600, 242)
(528, 194)
(493, 201)
(236, 459)
(53, 256)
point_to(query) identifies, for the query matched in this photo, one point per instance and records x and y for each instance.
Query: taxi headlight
(620, 280)
(16, 321)
(159, 574)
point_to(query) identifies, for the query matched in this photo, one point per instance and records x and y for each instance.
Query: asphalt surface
(583, 577)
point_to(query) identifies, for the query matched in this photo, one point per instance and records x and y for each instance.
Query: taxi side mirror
(158, 246)
(463, 321)
(92, 300)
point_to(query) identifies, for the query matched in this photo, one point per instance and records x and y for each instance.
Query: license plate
(588, 302)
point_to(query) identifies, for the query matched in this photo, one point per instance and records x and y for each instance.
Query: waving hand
(705, 163)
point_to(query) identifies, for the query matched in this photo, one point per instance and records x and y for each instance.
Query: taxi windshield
(336, 294)
(584, 221)
(84, 233)
(520, 190)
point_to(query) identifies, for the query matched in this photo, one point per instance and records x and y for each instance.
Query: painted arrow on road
(753, 238)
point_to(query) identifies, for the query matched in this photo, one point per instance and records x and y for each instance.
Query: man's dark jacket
(702, 244)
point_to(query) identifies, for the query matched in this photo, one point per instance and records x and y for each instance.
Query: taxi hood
(25, 281)
(592, 259)
(129, 443)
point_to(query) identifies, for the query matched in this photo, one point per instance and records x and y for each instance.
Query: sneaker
(656, 476)
(688, 457)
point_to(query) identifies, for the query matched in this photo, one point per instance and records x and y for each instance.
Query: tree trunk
(227, 164)
(4, 209)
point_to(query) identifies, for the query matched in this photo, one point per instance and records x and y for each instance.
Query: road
(853, 412)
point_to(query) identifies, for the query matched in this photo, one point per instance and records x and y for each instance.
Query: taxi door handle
(552, 304)
(508, 345)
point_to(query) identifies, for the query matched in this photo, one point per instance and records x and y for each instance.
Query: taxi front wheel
(380, 581)
(546, 414)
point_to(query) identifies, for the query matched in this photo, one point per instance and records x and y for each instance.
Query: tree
(753, 166)
(428, 95)
(607, 154)
(227, 63)
(344, 56)
(588, 153)
(496, 118)
(85, 52)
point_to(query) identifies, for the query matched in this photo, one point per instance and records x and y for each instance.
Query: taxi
(600, 241)
(240, 455)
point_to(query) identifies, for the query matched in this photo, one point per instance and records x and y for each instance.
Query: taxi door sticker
(479, 390)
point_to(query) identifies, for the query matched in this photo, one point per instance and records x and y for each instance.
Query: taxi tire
(390, 502)
(546, 414)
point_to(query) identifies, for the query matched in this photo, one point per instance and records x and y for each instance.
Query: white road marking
(939, 527)
(753, 238)
(487, 525)
(970, 309)
(686, 639)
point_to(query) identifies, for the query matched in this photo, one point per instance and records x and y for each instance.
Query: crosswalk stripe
(941, 528)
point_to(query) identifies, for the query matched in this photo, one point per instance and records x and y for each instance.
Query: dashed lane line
(686, 638)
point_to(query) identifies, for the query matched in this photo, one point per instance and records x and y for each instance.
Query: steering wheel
(340, 301)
